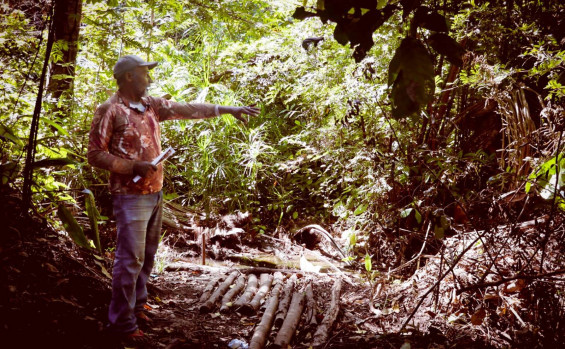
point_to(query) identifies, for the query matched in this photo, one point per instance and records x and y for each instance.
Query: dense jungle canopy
(400, 126)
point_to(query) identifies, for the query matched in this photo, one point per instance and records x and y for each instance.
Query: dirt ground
(54, 294)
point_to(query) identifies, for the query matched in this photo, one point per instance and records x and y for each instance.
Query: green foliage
(93, 217)
(72, 227)
(411, 74)
(549, 179)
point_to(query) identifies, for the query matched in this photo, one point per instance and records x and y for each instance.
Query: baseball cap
(129, 62)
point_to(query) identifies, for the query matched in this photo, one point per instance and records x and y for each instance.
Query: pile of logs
(288, 302)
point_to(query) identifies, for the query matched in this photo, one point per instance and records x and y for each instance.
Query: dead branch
(291, 321)
(264, 287)
(322, 332)
(262, 331)
(249, 292)
(285, 300)
(226, 300)
(220, 291)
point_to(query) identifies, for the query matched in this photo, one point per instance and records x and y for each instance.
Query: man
(124, 138)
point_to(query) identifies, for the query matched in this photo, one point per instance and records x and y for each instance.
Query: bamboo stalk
(262, 331)
(322, 332)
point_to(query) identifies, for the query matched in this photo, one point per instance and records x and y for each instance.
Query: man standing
(124, 138)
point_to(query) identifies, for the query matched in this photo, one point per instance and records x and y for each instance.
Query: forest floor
(54, 294)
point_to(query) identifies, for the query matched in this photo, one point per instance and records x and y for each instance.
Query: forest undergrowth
(416, 146)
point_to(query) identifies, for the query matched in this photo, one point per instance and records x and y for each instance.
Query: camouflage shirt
(121, 134)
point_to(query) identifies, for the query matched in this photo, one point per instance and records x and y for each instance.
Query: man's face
(140, 80)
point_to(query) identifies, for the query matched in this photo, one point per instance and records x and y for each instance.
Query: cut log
(291, 321)
(264, 287)
(219, 292)
(285, 301)
(262, 331)
(322, 332)
(234, 291)
(250, 291)
(209, 288)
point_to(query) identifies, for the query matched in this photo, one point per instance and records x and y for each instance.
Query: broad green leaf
(352, 239)
(439, 232)
(360, 209)
(368, 263)
(93, 217)
(71, 226)
(8, 134)
(55, 125)
(412, 73)
(406, 212)
(54, 162)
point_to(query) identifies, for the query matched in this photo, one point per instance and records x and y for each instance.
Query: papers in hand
(162, 157)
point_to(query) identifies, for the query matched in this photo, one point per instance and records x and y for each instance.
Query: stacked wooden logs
(288, 302)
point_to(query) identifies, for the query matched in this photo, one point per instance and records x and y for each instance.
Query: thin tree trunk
(67, 18)
(32, 140)
(322, 332)
(262, 331)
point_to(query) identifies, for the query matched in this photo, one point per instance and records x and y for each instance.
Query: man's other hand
(143, 168)
(238, 112)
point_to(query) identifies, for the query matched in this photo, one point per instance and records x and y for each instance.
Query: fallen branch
(220, 291)
(285, 301)
(264, 287)
(291, 321)
(262, 331)
(322, 332)
(226, 300)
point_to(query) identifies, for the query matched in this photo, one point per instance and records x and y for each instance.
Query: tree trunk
(67, 18)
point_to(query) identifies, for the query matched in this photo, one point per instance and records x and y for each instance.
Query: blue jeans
(138, 219)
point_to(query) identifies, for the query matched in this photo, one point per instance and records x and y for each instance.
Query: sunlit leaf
(71, 226)
(368, 263)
